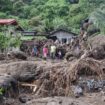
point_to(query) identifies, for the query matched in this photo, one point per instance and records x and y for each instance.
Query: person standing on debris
(72, 41)
(53, 51)
(45, 51)
(83, 32)
(77, 48)
(57, 41)
(59, 53)
(35, 51)
(84, 27)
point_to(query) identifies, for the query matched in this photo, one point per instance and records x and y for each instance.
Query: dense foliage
(47, 15)
(8, 41)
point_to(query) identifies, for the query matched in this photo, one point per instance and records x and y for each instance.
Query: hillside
(47, 15)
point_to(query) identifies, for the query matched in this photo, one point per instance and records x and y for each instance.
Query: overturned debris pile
(55, 79)
(97, 40)
(87, 67)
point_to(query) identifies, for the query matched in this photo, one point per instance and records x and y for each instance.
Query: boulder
(2, 56)
(17, 54)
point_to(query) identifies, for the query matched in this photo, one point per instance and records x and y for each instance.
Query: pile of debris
(95, 48)
(57, 79)
(86, 73)
(95, 41)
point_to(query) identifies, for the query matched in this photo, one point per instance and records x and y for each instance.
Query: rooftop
(62, 30)
(8, 22)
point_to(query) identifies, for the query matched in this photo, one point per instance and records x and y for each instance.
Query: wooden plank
(27, 84)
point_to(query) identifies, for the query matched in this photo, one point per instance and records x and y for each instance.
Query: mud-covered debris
(24, 99)
(2, 56)
(17, 54)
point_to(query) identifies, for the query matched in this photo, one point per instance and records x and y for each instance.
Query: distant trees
(73, 1)
(5, 5)
(47, 15)
(98, 18)
(8, 41)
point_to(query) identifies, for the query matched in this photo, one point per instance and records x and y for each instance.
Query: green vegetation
(32, 37)
(2, 90)
(47, 15)
(98, 18)
(8, 41)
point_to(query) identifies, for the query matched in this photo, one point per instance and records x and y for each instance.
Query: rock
(69, 56)
(2, 56)
(22, 71)
(17, 54)
(103, 98)
(27, 76)
(24, 99)
(102, 92)
(78, 91)
(98, 53)
(9, 85)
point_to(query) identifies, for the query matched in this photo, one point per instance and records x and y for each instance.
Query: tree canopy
(47, 15)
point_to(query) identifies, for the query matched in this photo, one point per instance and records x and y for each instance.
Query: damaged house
(62, 35)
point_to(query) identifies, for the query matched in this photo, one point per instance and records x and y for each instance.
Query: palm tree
(98, 19)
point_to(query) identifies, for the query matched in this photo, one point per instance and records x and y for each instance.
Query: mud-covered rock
(8, 88)
(97, 53)
(17, 54)
(2, 56)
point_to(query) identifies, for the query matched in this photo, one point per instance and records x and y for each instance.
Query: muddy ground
(26, 96)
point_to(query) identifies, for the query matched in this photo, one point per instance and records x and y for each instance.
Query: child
(59, 54)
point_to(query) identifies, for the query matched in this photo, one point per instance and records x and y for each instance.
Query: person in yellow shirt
(53, 51)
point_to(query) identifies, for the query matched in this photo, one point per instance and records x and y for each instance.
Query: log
(32, 86)
(27, 84)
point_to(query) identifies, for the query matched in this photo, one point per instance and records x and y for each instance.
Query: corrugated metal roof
(8, 22)
(62, 30)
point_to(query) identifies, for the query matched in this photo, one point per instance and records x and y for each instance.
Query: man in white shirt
(53, 51)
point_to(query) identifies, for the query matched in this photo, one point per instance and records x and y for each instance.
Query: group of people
(48, 52)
